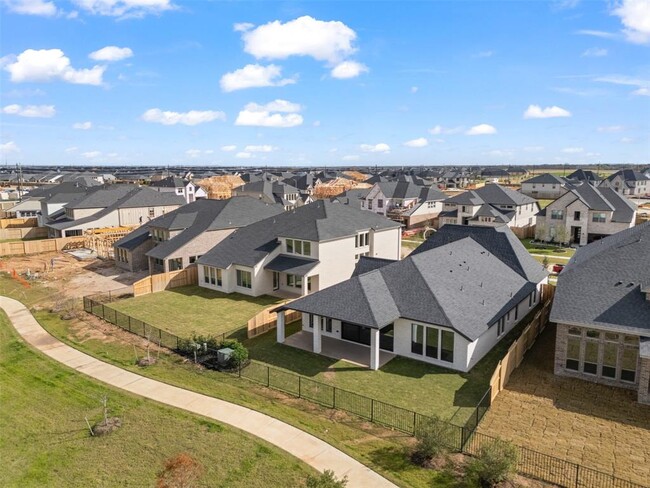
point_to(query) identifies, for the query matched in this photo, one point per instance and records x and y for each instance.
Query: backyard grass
(45, 440)
(544, 203)
(190, 310)
(384, 451)
(547, 250)
(404, 382)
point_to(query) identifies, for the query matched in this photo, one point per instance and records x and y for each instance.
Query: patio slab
(351, 352)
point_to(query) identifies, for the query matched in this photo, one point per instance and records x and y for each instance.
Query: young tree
(433, 439)
(326, 480)
(180, 471)
(495, 463)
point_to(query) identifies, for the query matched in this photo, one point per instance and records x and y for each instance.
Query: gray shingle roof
(460, 285)
(601, 285)
(605, 200)
(206, 216)
(546, 179)
(133, 239)
(291, 264)
(125, 196)
(318, 221)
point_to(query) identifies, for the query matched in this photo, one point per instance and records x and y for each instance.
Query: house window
(363, 204)
(380, 203)
(628, 364)
(599, 217)
(447, 346)
(152, 213)
(295, 246)
(432, 342)
(576, 215)
(294, 281)
(573, 353)
(516, 312)
(590, 361)
(192, 259)
(501, 326)
(610, 354)
(326, 324)
(417, 338)
(206, 274)
(557, 214)
(431, 204)
(244, 279)
(362, 239)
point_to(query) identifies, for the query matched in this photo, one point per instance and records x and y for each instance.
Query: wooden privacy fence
(23, 233)
(37, 247)
(166, 281)
(527, 232)
(267, 320)
(13, 223)
(517, 350)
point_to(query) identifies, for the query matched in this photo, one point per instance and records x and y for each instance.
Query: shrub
(496, 462)
(196, 343)
(326, 480)
(239, 352)
(433, 440)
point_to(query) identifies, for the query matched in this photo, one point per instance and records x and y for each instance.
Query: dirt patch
(106, 427)
(596, 426)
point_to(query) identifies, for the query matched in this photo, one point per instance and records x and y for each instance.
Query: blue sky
(297, 83)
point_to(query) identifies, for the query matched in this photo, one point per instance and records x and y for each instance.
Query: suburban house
(586, 176)
(298, 252)
(584, 214)
(404, 202)
(602, 312)
(545, 186)
(112, 206)
(354, 197)
(184, 188)
(177, 239)
(628, 182)
(271, 192)
(447, 304)
(492, 205)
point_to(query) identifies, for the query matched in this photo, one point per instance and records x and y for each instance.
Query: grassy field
(194, 310)
(45, 440)
(384, 451)
(404, 382)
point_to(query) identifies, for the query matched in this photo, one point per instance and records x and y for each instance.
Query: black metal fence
(464, 439)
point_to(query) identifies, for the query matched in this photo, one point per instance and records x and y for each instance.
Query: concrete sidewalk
(313, 451)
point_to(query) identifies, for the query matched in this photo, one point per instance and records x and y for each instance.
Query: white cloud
(83, 125)
(537, 112)
(419, 142)
(573, 150)
(125, 8)
(70, 150)
(31, 7)
(350, 157)
(91, 154)
(39, 111)
(49, 65)
(270, 115)
(597, 33)
(243, 155)
(611, 129)
(533, 148)
(438, 129)
(266, 148)
(594, 52)
(111, 53)
(229, 148)
(643, 85)
(635, 17)
(348, 69)
(414, 89)
(330, 41)
(254, 75)
(242, 26)
(382, 147)
(9, 147)
(481, 130)
(193, 117)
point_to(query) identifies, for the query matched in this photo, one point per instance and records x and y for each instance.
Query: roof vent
(629, 285)
(618, 283)
(461, 287)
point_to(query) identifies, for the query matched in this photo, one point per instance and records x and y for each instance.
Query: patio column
(304, 286)
(374, 349)
(280, 327)
(317, 334)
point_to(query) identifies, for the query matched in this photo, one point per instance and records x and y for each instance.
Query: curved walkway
(309, 449)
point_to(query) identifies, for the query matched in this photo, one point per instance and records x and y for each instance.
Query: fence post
(372, 410)
(577, 475)
(239, 369)
(334, 397)
(103, 311)
(414, 422)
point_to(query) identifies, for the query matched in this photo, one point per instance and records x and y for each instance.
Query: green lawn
(544, 203)
(404, 382)
(192, 310)
(551, 251)
(45, 440)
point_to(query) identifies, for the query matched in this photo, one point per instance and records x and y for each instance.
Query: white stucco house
(490, 206)
(299, 251)
(181, 187)
(545, 186)
(447, 304)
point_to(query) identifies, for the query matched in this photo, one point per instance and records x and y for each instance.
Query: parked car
(557, 268)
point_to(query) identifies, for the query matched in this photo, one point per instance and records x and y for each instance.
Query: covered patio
(337, 349)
